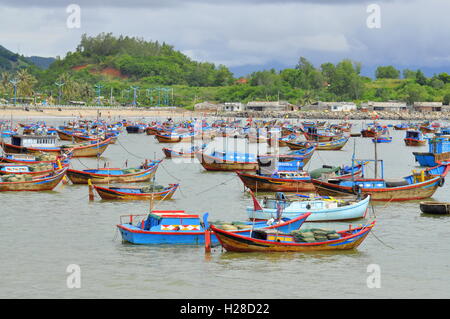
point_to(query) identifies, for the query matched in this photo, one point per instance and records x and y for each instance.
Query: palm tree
(26, 82)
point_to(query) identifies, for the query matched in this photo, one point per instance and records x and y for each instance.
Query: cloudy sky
(245, 35)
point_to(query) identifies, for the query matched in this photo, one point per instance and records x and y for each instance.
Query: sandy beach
(15, 113)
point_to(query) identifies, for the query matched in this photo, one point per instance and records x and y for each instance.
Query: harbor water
(41, 234)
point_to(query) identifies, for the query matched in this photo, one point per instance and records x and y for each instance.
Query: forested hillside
(121, 68)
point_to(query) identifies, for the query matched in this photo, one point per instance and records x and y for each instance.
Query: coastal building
(427, 106)
(208, 106)
(233, 107)
(271, 106)
(393, 106)
(332, 106)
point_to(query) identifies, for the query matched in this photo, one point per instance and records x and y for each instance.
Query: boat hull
(136, 235)
(216, 164)
(38, 184)
(82, 177)
(234, 242)
(268, 184)
(111, 194)
(401, 193)
(350, 212)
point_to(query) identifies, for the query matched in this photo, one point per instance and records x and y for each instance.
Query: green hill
(10, 61)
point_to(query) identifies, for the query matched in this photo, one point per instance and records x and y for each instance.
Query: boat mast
(376, 160)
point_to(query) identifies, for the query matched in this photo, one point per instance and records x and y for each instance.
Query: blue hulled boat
(438, 151)
(178, 228)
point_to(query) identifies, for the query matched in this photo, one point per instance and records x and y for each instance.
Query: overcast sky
(245, 34)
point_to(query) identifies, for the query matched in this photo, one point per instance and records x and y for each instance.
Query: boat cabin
(172, 220)
(34, 140)
(439, 145)
(415, 135)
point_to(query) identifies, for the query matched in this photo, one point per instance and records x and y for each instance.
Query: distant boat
(414, 138)
(114, 175)
(142, 193)
(418, 185)
(228, 161)
(334, 145)
(382, 139)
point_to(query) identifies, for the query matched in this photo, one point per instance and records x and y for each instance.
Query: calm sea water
(42, 233)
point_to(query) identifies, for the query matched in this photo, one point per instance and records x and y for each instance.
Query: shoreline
(123, 113)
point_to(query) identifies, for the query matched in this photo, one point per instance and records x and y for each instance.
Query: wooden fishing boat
(122, 193)
(183, 153)
(273, 241)
(414, 138)
(303, 155)
(114, 175)
(178, 228)
(437, 208)
(320, 135)
(320, 146)
(33, 183)
(419, 185)
(88, 149)
(30, 169)
(427, 129)
(382, 139)
(322, 208)
(43, 158)
(371, 132)
(295, 182)
(223, 161)
(174, 138)
(401, 127)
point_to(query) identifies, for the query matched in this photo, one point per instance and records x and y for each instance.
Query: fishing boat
(334, 145)
(279, 181)
(322, 208)
(303, 155)
(184, 153)
(114, 175)
(418, 185)
(438, 150)
(32, 183)
(227, 161)
(414, 138)
(30, 169)
(174, 137)
(401, 127)
(382, 139)
(435, 208)
(26, 144)
(43, 158)
(274, 241)
(142, 193)
(320, 134)
(176, 227)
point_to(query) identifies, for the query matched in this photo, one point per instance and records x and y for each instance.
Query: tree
(415, 93)
(26, 82)
(346, 81)
(420, 78)
(409, 74)
(387, 72)
(446, 99)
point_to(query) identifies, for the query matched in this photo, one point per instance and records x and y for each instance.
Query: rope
(168, 172)
(372, 233)
(210, 188)
(137, 156)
